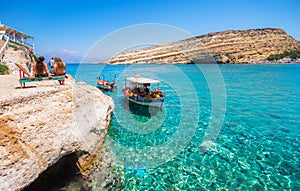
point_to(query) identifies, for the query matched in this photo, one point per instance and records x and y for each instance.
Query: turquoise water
(258, 147)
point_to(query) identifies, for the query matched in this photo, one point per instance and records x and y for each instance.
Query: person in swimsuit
(40, 69)
(59, 69)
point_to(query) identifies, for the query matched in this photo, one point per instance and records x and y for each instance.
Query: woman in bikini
(59, 69)
(40, 69)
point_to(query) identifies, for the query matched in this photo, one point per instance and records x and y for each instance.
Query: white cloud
(67, 55)
(70, 51)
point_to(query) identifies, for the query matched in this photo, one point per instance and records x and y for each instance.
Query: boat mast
(114, 83)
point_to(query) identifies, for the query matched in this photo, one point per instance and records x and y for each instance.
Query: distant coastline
(258, 62)
(297, 61)
(233, 46)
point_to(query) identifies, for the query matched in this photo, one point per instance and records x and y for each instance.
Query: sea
(221, 127)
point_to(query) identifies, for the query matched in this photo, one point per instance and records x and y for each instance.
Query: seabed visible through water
(258, 147)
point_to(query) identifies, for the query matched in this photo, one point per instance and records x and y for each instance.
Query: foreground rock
(41, 124)
(233, 46)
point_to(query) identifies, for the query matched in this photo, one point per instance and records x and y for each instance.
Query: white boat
(140, 91)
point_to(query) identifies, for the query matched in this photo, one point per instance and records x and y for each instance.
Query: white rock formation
(45, 122)
(13, 56)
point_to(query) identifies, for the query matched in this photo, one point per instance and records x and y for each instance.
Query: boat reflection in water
(142, 110)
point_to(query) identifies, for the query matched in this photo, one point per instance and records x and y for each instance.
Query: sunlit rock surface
(46, 121)
(232, 46)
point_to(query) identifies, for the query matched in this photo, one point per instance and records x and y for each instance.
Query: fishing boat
(140, 91)
(106, 85)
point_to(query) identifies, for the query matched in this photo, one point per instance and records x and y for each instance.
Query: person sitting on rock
(59, 69)
(40, 69)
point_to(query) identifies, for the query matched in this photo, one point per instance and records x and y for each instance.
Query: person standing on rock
(51, 63)
(40, 69)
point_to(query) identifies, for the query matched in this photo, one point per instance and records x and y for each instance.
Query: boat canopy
(142, 80)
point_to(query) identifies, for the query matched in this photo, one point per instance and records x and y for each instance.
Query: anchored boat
(106, 85)
(143, 91)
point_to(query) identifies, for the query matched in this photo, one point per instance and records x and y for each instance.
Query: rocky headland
(233, 46)
(46, 122)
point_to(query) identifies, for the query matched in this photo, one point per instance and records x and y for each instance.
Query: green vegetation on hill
(3, 69)
(293, 54)
(11, 45)
(33, 57)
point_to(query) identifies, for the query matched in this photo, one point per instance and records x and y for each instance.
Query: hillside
(16, 54)
(233, 46)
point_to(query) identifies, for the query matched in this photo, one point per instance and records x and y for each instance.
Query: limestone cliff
(233, 46)
(16, 54)
(46, 121)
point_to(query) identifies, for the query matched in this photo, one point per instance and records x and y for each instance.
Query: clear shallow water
(258, 147)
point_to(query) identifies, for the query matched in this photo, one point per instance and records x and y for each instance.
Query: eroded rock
(40, 125)
(233, 46)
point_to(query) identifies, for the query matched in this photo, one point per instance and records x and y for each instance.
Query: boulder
(46, 121)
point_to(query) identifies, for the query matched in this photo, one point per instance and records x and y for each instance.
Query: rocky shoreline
(44, 122)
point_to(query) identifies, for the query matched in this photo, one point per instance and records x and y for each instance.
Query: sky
(71, 28)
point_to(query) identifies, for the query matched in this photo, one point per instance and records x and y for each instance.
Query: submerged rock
(42, 124)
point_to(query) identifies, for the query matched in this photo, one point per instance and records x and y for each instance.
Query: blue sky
(70, 28)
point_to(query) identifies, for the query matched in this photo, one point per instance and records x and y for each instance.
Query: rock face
(233, 46)
(41, 124)
(16, 55)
